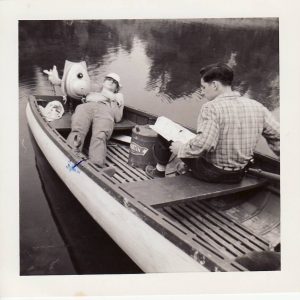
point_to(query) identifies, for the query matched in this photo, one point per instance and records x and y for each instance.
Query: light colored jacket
(114, 100)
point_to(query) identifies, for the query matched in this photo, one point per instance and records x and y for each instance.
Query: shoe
(153, 172)
(181, 168)
(110, 171)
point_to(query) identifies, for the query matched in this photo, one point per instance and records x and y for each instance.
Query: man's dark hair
(220, 72)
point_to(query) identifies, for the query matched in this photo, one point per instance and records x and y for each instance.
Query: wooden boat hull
(135, 237)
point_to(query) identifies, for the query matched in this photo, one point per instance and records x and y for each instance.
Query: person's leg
(161, 151)
(81, 122)
(101, 131)
(162, 154)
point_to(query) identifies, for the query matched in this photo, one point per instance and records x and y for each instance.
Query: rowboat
(171, 224)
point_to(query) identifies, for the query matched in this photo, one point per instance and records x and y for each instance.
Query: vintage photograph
(149, 146)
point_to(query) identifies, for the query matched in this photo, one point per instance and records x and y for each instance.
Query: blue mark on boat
(74, 167)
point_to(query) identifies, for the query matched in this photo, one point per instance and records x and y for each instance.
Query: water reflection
(176, 50)
(179, 49)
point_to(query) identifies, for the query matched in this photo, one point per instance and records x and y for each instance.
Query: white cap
(116, 77)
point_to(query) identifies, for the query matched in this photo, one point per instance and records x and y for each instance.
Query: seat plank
(161, 192)
(124, 125)
(65, 123)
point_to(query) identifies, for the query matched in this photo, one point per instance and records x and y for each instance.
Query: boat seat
(166, 191)
(64, 123)
(124, 125)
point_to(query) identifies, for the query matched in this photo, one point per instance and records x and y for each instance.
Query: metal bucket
(141, 146)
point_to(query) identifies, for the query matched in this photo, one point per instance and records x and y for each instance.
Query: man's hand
(53, 76)
(120, 99)
(109, 94)
(175, 146)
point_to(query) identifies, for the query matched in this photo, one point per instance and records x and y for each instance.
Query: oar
(264, 174)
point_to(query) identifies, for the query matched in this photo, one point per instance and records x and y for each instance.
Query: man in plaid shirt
(228, 129)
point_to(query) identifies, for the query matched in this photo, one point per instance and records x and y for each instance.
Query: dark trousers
(200, 167)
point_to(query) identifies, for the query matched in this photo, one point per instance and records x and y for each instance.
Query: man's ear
(215, 85)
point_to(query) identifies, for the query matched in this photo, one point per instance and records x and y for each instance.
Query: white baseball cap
(116, 77)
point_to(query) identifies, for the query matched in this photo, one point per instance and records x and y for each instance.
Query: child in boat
(102, 110)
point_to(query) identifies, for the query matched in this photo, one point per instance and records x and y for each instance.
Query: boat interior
(225, 221)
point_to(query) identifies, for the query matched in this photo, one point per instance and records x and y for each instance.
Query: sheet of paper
(172, 131)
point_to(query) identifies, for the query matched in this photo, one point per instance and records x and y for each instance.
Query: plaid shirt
(228, 129)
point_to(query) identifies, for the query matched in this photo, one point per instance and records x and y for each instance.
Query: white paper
(172, 131)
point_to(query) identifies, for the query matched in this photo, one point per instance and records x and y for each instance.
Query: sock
(160, 168)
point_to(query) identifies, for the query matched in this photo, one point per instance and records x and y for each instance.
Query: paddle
(264, 174)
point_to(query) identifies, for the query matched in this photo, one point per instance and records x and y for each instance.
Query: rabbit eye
(79, 75)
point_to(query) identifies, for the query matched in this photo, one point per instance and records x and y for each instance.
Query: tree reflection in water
(177, 50)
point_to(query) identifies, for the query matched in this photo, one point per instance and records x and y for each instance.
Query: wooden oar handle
(261, 173)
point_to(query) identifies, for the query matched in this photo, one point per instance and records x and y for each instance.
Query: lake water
(159, 63)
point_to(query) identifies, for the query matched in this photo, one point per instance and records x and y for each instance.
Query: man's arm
(271, 131)
(207, 134)
(118, 106)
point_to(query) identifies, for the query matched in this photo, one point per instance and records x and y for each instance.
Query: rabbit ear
(67, 68)
(83, 63)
